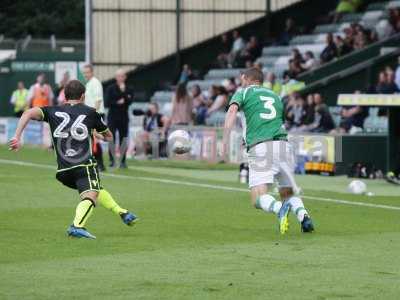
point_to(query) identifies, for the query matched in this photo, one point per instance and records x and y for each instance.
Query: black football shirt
(71, 129)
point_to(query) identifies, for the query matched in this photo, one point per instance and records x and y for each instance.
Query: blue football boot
(129, 218)
(79, 232)
(307, 224)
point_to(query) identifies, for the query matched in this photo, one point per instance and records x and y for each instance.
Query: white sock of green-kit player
(298, 208)
(268, 203)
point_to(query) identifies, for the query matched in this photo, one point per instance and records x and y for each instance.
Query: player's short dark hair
(74, 90)
(254, 74)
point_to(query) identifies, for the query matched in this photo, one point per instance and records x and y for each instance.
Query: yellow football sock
(107, 201)
(83, 212)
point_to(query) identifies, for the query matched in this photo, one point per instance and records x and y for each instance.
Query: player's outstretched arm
(230, 120)
(31, 114)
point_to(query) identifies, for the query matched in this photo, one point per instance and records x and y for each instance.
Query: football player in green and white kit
(271, 156)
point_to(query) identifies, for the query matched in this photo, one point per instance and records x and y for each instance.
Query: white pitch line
(202, 185)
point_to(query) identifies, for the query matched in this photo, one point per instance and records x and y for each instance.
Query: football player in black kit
(72, 127)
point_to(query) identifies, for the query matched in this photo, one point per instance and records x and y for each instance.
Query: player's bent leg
(262, 200)
(83, 212)
(107, 201)
(296, 205)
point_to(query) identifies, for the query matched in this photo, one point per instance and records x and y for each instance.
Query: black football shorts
(82, 178)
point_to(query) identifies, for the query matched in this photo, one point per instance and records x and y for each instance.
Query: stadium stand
(276, 58)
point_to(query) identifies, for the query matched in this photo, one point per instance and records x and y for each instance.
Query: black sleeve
(138, 112)
(45, 112)
(99, 124)
(129, 96)
(111, 97)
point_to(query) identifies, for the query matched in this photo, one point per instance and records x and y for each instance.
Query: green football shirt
(264, 113)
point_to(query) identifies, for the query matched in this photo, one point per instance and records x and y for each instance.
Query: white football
(357, 187)
(179, 142)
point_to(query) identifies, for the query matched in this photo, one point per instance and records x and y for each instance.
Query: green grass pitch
(193, 241)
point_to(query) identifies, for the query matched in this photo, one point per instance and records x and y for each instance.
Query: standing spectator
(60, 89)
(19, 99)
(94, 98)
(182, 106)
(186, 74)
(118, 98)
(40, 94)
(330, 51)
(272, 84)
(237, 46)
(199, 105)
(310, 62)
(397, 74)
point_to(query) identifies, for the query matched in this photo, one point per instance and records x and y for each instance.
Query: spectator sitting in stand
(295, 68)
(384, 29)
(352, 119)
(397, 74)
(153, 123)
(323, 121)
(342, 46)
(310, 62)
(290, 85)
(216, 111)
(226, 46)
(230, 86)
(186, 74)
(295, 112)
(272, 84)
(361, 39)
(296, 55)
(345, 7)
(250, 52)
(182, 106)
(237, 46)
(310, 108)
(386, 84)
(330, 51)
(394, 19)
(289, 32)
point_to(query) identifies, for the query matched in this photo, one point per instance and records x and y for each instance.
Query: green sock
(83, 212)
(107, 201)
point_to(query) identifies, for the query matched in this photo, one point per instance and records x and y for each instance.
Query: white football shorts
(272, 162)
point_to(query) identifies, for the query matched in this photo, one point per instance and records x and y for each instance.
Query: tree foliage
(41, 18)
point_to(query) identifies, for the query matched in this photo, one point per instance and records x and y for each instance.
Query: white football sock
(298, 209)
(268, 203)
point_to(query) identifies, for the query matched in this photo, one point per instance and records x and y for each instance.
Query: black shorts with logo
(82, 178)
